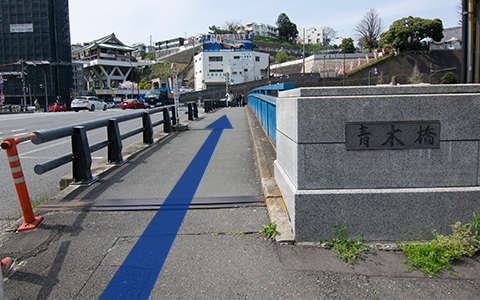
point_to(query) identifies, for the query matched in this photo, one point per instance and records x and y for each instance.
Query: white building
(312, 36)
(260, 29)
(215, 68)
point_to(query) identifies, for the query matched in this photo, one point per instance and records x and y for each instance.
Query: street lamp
(35, 64)
(344, 67)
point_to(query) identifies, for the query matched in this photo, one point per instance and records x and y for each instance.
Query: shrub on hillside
(449, 78)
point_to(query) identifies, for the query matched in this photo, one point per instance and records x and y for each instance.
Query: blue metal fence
(263, 101)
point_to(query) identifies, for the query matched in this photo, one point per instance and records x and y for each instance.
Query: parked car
(59, 106)
(184, 89)
(111, 104)
(132, 103)
(89, 102)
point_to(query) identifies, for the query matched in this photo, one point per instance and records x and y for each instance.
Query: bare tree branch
(369, 28)
(329, 35)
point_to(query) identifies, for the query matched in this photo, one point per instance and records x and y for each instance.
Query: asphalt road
(46, 185)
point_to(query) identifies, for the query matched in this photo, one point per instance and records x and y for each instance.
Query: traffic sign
(174, 69)
(2, 97)
(1, 86)
(1, 79)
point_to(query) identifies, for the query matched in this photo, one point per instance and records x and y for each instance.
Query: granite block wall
(322, 178)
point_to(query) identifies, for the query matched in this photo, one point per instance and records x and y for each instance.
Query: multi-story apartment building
(260, 29)
(312, 36)
(228, 59)
(35, 50)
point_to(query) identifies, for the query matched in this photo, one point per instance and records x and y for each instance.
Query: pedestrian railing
(81, 157)
(262, 100)
(192, 110)
(211, 105)
(81, 150)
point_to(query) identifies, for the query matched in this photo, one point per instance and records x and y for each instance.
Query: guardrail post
(114, 149)
(167, 126)
(147, 128)
(207, 104)
(195, 110)
(82, 161)
(190, 112)
(174, 119)
(10, 147)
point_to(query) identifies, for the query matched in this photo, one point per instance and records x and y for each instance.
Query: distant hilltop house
(260, 29)
(312, 36)
(452, 40)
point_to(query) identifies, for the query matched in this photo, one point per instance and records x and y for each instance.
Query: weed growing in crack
(347, 250)
(269, 230)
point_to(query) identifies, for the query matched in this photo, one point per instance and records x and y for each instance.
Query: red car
(132, 103)
(59, 106)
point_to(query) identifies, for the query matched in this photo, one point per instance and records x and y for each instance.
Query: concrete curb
(264, 152)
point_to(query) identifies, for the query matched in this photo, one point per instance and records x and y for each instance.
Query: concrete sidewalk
(217, 253)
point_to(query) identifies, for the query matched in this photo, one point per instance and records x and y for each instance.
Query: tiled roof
(103, 42)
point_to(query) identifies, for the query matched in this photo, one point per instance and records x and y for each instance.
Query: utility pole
(324, 69)
(303, 50)
(24, 102)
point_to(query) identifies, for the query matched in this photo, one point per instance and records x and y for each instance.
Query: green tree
(218, 30)
(349, 45)
(407, 33)
(287, 30)
(281, 57)
(142, 83)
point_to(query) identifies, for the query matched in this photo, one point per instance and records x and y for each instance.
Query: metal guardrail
(81, 150)
(192, 110)
(263, 103)
(210, 105)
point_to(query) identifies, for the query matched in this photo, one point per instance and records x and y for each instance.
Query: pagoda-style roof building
(106, 61)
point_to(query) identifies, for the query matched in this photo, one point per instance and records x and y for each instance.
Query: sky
(137, 21)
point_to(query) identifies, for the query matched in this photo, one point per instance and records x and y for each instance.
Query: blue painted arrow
(138, 273)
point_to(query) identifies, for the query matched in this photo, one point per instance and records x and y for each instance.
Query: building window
(257, 58)
(236, 57)
(246, 70)
(215, 58)
(215, 71)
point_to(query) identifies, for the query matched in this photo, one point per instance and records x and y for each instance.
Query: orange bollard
(10, 147)
(5, 262)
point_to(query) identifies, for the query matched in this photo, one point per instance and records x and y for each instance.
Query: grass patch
(269, 230)
(270, 40)
(38, 202)
(347, 250)
(440, 252)
(475, 226)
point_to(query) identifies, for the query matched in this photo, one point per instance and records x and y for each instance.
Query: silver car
(89, 102)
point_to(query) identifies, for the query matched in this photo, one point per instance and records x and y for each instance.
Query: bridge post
(114, 150)
(147, 128)
(167, 126)
(82, 161)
